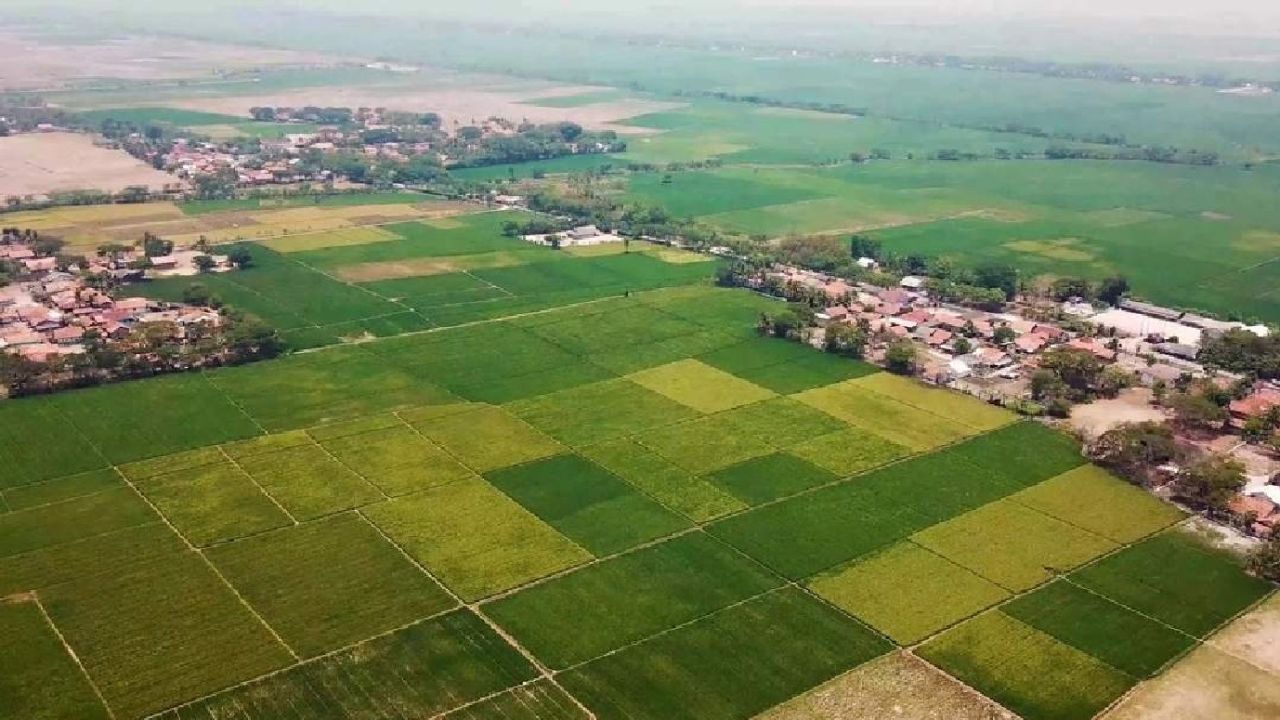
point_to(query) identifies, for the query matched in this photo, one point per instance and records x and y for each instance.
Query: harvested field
(588, 613)
(907, 592)
(588, 504)
(328, 584)
(336, 238)
(1208, 684)
(896, 686)
(441, 664)
(45, 163)
(1253, 636)
(476, 540)
(1025, 670)
(730, 665)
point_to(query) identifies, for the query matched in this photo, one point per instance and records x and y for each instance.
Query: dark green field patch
(1024, 453)
(45, 526)
(159, 416)
(587, 503)
(212, 503)
(65, 488)
(601, 411)
(632, 597)
(421, 671)
(539, 700)
(1026, 670)
(770, 477)
(785, 367)
(104, 554)
(622, 327)
(25, 426)
(728, 666)
(41, 681)
(1089, 622)
(131, 629)
(1177, 580)
(327, 584)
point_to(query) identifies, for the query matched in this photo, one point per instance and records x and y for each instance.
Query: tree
(204, 263)
(847, 340)
(998, 275)
(962, 346)
(1134, 449)
(861, 246)
(198, 295)
(1113, 289)
(1004, 335)
(1197, 410)
(1265, 560)
(155, 246)
(1211, 483)
(240, 257)
(1077, 370)
(1067, 288)
(900, 357)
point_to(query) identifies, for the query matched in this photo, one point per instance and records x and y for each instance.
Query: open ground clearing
(46, 163)
(631, 529)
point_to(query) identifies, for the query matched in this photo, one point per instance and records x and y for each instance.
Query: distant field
(677, 518)
(47, 163)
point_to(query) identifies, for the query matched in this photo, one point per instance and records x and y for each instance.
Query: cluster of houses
(582, 236)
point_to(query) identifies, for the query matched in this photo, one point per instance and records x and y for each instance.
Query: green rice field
(628, 508)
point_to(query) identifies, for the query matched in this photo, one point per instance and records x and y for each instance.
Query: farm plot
(327, 584)
(1175, 579)
(1091, 498)
(1026, 670)
(621, 326)
(476, 233)
(626, 599)
(23, 423)
(539, 700)
(45, 526)
(1012, 545)
(475, 539)
(769, 477)
(955, 406)
(1022, 454)
(670, 484)
(907, 592)
(782, 422)
(132, 421)
(1090, 623)
(700, 386)
(729, 665)
(309, 483)
(65, 488)
(104, 554)
(587, 503)
(398, 460)
(212, 503)
(598, 412)
(41, 682)
(704, 445)
(265, 444)
(132, 628)
(848, 452)
(437, 665)
(486, 438)
(897, 685)
(785, 367)
(888, 418)
(333, 238)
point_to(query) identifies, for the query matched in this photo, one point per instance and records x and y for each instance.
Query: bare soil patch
(1208, 684)
(1255, 637)
(1132, 405)
(898, 687)
(42, 163)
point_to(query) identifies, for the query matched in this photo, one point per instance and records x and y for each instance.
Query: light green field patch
(354, 427)
(1013, 545)
(700, 386)
(309, 483)
(474, 538)
(781, 422)
(1091, 498)
(600, 411)
(666, 482)
(907, 592)
(169, 463)
(704, 445)
(1122, 217)
(266, 444)
(1258, 241)
(333, 238)
(487, 438)
(1064, 249)
(398, 460)
(884, 416)
(1026, 670)
(212, 503)
(961, 408)
(330, 583)
(676, 256)
(849, 451)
